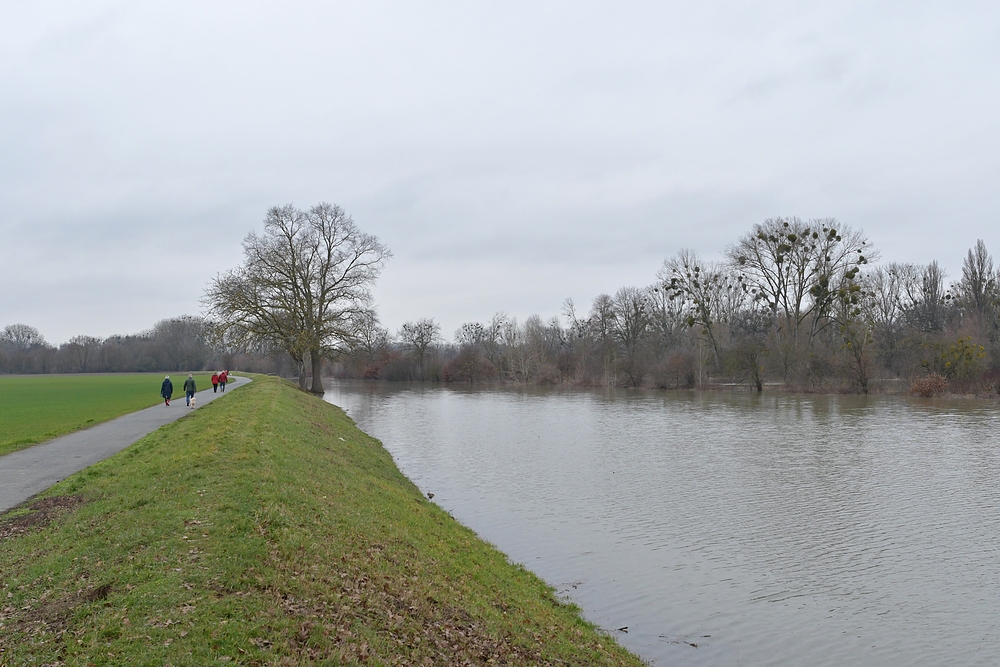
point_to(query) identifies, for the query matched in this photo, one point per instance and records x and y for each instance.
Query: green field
(36, 408)
(266, 529)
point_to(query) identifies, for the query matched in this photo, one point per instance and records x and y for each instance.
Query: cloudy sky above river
(510, 154)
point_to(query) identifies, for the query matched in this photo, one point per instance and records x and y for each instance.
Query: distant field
(36, 408)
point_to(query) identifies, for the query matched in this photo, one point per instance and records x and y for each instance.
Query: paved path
(29, 471)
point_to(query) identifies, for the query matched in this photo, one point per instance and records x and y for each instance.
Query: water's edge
(725, 528)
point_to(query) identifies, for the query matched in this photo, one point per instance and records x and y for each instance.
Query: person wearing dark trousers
(167, 390)
(215, 382)
(189, 388)
(223, 379)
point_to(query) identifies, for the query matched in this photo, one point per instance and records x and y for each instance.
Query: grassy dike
(266, 528)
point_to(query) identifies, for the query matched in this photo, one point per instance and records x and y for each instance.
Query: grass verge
(267, 529)
(36, 408)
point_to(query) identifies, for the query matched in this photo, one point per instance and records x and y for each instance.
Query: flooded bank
(726, 528)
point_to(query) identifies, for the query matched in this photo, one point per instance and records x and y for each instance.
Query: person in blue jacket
(167, 390)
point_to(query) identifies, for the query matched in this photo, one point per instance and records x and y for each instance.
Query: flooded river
(726, 529)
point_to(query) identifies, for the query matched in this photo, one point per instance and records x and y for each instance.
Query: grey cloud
(566, 148)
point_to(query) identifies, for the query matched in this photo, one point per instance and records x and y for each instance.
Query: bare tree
(709, 295)
(257, 306)
(370, 344)
(304, 286)
(21, 337)
(179, 343)
(930, 299)
(749, 329)
(520, 362)
(470, 334)
(470, 363)
(795, 267)
(418, 337)
(24, 349)
(543, 342)
(492, 340)
(631, 326)
(979, 280)
(798, 270)
(600, 325)
(890, 290)
(83, 351)
(341, 265)
(979, 289)
(666, 316)
(851, 312)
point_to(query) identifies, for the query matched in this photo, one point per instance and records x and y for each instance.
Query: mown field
(266, 529)
(36, 408)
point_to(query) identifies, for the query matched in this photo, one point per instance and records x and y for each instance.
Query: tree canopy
(304, 287)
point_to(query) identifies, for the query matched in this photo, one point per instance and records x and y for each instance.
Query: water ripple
(726, 528)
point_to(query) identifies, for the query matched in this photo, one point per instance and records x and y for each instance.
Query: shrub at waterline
(36, 408)
(929, 385)
(267, 529)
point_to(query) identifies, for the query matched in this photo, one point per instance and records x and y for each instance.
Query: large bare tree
(799, 271)
(21, 337)
(304, 287)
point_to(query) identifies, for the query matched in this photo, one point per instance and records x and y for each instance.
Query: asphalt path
(29, 471)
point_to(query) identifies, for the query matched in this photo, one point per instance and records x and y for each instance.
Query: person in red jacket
(215, 382)
(223, 378)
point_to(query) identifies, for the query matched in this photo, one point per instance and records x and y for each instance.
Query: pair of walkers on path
(219, 380)
(167, 389)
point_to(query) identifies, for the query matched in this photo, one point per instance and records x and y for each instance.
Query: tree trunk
(317, 371)
(302, 373)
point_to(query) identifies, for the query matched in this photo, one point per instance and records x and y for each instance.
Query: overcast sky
(511, 154)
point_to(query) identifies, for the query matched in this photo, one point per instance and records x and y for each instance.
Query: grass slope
(36, 408)
(267, 529)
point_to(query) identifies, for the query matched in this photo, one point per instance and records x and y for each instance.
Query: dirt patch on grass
(46, 619)
(420, 629)
(54, 613)
(40, 513)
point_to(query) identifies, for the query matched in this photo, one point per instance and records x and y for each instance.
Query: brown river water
(725, 528)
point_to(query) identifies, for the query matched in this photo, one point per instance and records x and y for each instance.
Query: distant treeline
(176, 344)
(798, 304)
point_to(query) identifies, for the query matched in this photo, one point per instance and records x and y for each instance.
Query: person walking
(189, 389)
(167, 390)
(223, 379)
(215, 382)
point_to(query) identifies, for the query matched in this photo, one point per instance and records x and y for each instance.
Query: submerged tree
(418, 337)
(931, 299)
(799, 270)
(304, 287)
(630, 326)
(890, 290)
(979, 291)
(707, 293)
(979, 281)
